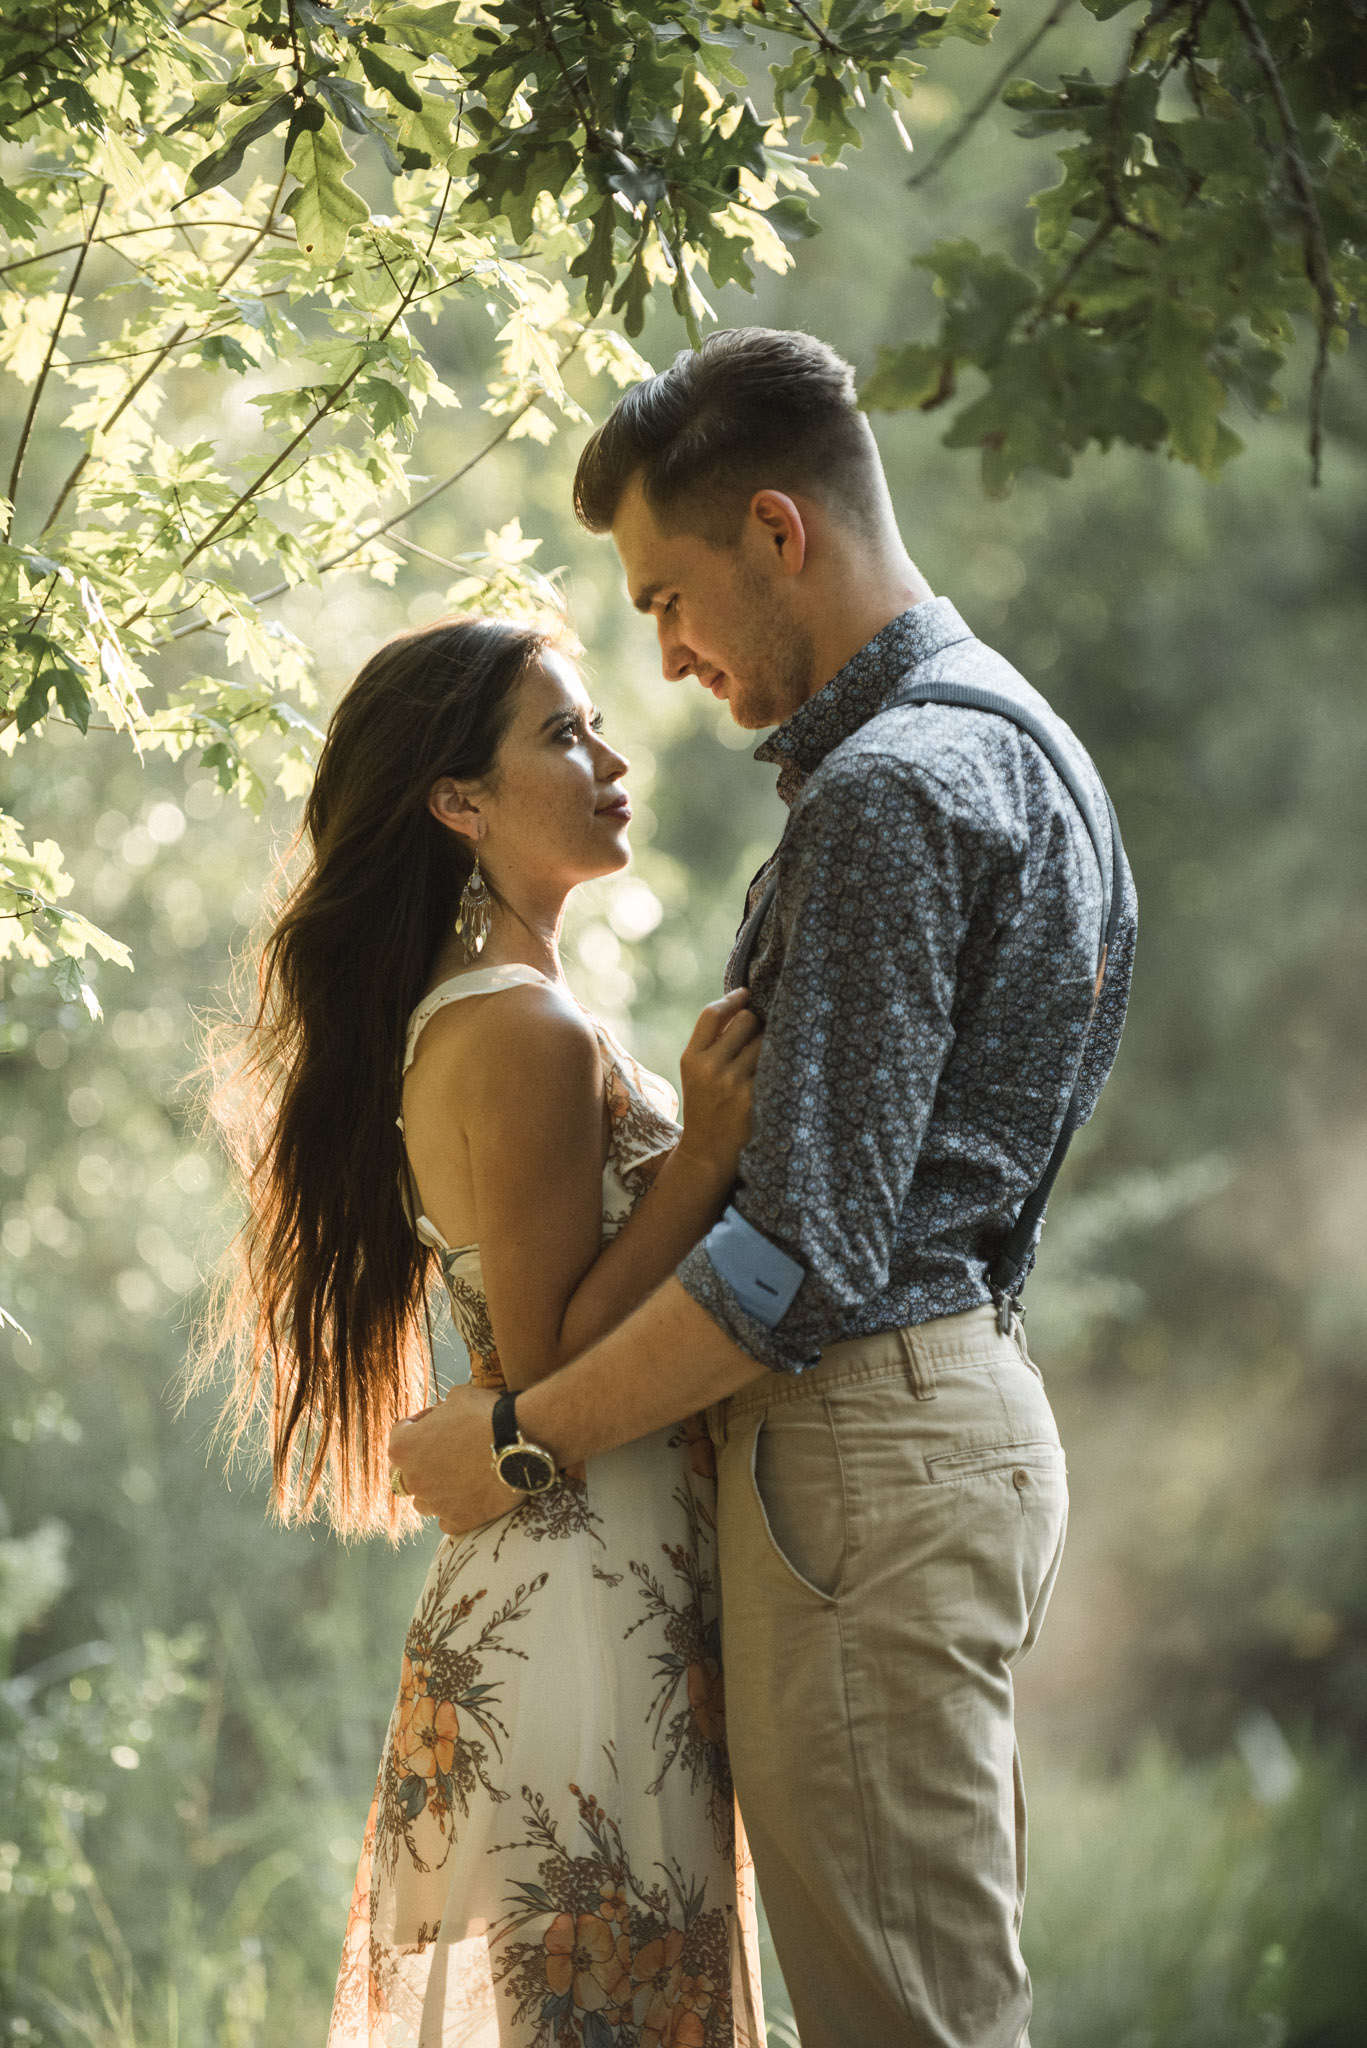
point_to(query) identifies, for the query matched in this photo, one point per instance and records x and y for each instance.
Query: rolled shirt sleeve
(879, 872)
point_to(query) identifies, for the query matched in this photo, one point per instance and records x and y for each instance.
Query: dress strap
(481, 981)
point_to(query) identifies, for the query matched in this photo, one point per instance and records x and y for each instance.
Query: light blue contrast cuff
(763, 1279)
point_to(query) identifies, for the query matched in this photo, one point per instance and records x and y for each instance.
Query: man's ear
(782, 531)
(451, 807)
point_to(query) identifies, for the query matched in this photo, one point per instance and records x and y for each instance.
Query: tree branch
(823, 40)
(27, 427)
(36, 106)
(164, 351)
(585, 113)
(72, 35)
(982, 106)
(384, 526)
(329, 405)
(1316, 248)
(120, 235)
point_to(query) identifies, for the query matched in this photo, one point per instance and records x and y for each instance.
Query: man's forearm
(667, 1360)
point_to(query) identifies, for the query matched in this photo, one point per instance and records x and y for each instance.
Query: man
(924, 958)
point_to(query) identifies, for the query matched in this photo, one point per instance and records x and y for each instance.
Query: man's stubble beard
(778, 659)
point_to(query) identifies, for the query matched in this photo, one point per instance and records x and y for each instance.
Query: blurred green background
(194, 1700)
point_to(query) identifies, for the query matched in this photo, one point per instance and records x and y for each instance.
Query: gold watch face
(526, 1467)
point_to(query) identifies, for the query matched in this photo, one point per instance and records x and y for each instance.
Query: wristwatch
(527, 1468)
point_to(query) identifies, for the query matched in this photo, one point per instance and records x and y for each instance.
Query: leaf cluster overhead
(239, 211)
(1212, 196)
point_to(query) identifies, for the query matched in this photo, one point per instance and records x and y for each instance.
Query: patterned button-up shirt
(925, 976)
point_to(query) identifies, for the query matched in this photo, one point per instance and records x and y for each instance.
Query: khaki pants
(890, 1528)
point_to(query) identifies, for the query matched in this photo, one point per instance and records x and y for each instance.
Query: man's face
(727, 615)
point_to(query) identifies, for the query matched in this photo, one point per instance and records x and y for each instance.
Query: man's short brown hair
(754, 408)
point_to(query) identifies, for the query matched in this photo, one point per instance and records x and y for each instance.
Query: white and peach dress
(552, 1855)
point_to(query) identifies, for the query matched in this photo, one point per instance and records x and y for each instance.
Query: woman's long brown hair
(323, 1300)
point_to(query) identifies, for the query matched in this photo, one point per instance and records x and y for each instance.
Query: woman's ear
(451, 807)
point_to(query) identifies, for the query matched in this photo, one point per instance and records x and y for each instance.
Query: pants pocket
(1031, 1453)
(799, 1488)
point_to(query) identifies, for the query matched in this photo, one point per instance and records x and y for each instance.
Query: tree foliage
(240, 215)
(252, 205)
(1213, 189)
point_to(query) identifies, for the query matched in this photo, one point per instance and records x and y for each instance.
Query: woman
(551, 1855)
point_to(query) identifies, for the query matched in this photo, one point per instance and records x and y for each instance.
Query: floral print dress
(552, 1854)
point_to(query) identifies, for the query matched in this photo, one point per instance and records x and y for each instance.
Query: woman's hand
(718, 1074)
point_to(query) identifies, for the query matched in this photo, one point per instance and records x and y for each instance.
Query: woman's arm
(689, 1192)
(505, 1116)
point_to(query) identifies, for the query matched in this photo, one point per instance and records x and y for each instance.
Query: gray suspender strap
(1006, 1272)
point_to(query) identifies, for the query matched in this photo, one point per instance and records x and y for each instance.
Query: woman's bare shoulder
(530, 1037)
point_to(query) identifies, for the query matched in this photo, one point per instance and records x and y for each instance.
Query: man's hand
(667, 1360)
(446, 1460)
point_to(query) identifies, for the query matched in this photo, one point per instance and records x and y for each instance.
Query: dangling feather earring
(474, 913)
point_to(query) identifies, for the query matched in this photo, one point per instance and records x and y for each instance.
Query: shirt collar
(859, 690)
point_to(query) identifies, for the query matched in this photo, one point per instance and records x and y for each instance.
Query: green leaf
(223, 162)
(222, 348)
(71, 985)
(595, 263)
(239, 90)
(633, 295)
(987, 295)
(791, 219)
(726, 262)
(386, 403)
(974, 20)
(54, 670)
(345, 100)
(385, 78)
(830, 126)
(437, 30)
(639, 184)
(908, 376)
(17, 218)
(1181, 383)
(324, 209)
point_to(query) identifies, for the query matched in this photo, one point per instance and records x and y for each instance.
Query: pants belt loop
(920, 1371)
(1019, 1340)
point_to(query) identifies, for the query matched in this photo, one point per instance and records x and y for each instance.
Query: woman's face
(553, 812)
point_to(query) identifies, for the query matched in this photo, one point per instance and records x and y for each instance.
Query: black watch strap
(526, 1467)
(505, 1420)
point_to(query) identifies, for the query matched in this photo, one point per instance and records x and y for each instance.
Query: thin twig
(831, 49)
(329, 405)
(384, 526)
(36, 106)
(414, 547)
(82, 28)
(27, 428)
(441, 210)
(585, 113)
(1316, 249)
(1116, 216)
(120, 235)
(1099, 234)
(167, 349)
(982, 106)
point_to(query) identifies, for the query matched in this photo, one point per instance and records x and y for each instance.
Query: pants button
(1020, 1479)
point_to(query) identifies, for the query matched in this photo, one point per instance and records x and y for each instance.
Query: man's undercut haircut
(755, 408)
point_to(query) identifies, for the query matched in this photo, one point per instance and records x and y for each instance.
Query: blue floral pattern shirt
(925, 976)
